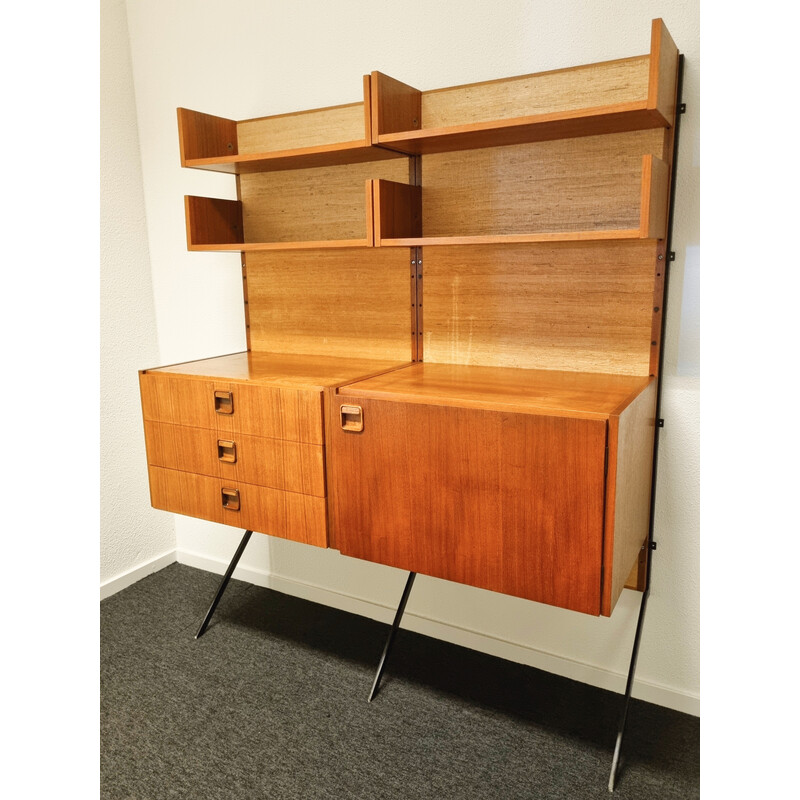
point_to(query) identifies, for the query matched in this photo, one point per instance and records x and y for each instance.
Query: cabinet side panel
(630, 471)
(573, 307)
(351, 303)
(507, 502)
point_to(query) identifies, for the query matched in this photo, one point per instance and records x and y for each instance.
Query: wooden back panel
(323, 203)
(312, 128)
(560, 306)
(588, 183)
(608, 83)
(331, 302)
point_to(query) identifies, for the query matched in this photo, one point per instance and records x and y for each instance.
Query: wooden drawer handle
(352, 418)
(223, 402)
(226, 451)
(230, 499)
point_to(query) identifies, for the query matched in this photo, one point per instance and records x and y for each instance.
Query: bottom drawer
(289, 515)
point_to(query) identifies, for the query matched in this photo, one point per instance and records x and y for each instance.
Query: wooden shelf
(585, 395)
(316, 138)
(322, 207)
(639, 94)
(400, 216)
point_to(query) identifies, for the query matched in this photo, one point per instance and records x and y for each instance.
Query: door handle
(352, 418)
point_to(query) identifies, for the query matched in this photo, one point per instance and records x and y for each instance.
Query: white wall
(243, 58)
(133, 537)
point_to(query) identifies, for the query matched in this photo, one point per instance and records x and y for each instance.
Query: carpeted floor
(272, 703)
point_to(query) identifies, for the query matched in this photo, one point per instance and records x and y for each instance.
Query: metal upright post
(651, 546)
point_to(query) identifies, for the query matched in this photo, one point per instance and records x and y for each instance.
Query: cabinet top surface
(577, 394)
(280, 369)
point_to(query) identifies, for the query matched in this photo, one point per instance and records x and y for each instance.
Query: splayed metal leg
(223, 585)
(395, 625)
(628, 688)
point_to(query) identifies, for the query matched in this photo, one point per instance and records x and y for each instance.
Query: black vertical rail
(223, 585)
(650, 544)
(395, 625)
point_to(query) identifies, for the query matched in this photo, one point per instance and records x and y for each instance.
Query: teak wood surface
(348, 303)
(572, 307)
(289, 515)
(276, 463)
(507, 502)
(609, 97)
(524, 391)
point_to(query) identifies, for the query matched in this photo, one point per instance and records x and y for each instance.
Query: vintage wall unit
(453, 303)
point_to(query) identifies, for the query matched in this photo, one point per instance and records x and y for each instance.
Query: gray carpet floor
(272, 703)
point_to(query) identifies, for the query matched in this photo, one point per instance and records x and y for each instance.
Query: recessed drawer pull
(226, 451)
(230, 499)
(223, 402)
(352, 418)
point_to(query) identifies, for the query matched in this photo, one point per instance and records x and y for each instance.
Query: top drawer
(233, 407)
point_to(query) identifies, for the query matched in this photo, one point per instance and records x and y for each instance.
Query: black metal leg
(223, 585)
(628, 688)
(395, 625)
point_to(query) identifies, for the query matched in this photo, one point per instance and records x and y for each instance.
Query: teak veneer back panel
(312, 128)
(573, 307)
(589, 183)
(322, 203)
(608, 83)
(354, 303)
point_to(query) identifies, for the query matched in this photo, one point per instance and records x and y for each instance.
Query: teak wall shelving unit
(454, 306)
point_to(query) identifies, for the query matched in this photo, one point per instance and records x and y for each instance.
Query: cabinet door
(506, 501)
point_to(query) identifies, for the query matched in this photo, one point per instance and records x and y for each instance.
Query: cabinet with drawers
(453, 307)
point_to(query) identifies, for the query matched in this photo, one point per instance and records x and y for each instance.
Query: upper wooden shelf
(587, 395)
(317, 138)
(609, 97)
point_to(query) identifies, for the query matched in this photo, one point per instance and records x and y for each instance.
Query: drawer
(231, 407)
(511, 502)
(239, 458)
(290, 515)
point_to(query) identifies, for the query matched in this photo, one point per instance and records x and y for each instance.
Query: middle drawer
(276, 463)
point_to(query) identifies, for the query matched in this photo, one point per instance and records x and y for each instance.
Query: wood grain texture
(587, 184)
(285, 370)
(336, 303)
(258, 410)
(213, 222)
(524, 391)
(559, 307)
(205, 136)
(278, 464)
(627, 515)
(289, 515)
(312, 205)
(654, 199)
(663, 72)
(398, 210)
(316, 127)
(395, 106)
(507, 502)
(580, 88)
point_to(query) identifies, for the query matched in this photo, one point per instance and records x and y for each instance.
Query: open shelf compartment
(402, 218)
(320, 207)
(610, 97)
(316, 138)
